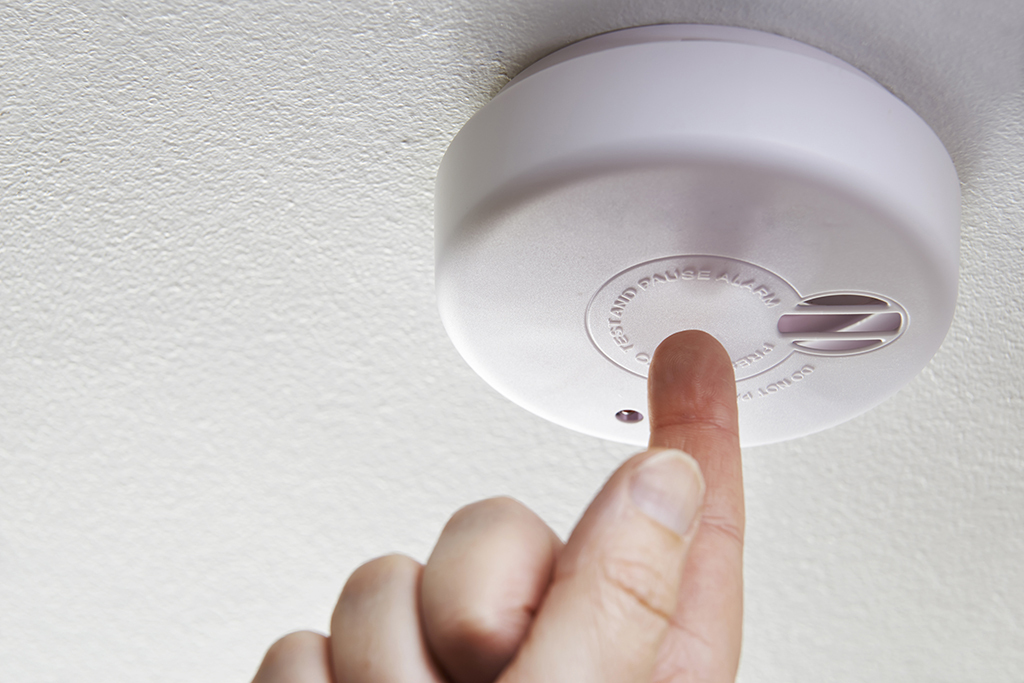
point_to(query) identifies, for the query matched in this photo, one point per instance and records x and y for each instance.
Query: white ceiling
(224, 385)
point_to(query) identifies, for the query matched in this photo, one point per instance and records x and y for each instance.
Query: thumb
(616, 583)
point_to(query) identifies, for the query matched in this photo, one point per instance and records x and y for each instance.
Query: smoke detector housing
(664, 178)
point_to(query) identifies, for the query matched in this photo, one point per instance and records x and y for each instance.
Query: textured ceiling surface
(224, 385)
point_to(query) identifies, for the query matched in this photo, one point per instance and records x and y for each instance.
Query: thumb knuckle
(637, 591)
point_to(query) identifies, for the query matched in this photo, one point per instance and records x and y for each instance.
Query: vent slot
(841, 323)
(845, 300)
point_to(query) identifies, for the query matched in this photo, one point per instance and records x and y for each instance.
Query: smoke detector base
(665, 178)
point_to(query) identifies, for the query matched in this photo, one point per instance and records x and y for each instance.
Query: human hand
(649, 586)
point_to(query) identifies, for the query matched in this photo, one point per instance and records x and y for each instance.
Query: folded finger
(482, 585)
(300, 657)
(375, 630)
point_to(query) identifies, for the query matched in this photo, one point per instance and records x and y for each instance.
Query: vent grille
(839, 324)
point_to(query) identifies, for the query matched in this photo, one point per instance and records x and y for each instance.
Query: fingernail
(669, 488)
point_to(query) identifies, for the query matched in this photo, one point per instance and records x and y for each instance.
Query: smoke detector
(675, 177)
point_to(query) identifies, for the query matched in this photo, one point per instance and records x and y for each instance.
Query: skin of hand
(649, 587)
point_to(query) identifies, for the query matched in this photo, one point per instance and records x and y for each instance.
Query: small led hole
(629, 416)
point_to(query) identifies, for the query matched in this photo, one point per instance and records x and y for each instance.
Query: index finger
(692, 406)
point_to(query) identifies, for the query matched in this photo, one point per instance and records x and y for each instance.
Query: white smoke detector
(677, 177)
